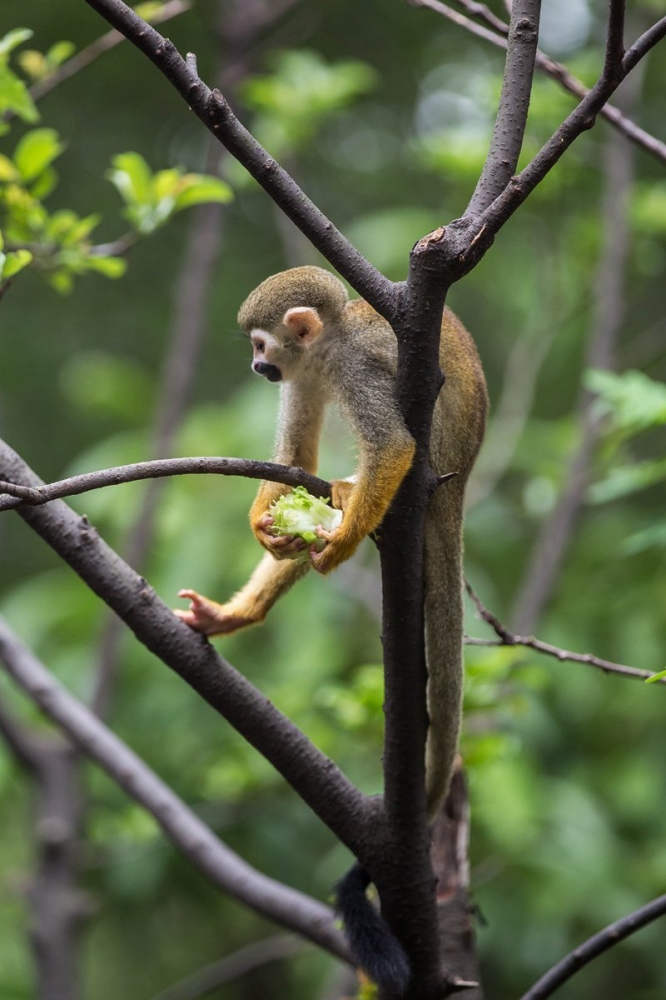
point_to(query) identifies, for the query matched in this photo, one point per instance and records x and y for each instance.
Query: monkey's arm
(249, 606)
(297, 444)
(386, 452)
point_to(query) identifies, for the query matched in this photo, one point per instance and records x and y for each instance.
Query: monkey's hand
(279, 546)
(341, 542)
(210, 618)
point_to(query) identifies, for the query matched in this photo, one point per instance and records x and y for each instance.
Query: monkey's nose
(270, 372)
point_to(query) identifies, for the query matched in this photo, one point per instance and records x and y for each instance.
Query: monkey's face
(279, 355)
(267, 355)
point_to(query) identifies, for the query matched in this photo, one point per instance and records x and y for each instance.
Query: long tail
(444, 636)
(374, 946)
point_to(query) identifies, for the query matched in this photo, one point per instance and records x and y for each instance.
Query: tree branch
(496, 34)
(507, 638)
(234, 966)
(313, 775)
(581, 118)
(594, 946)
(213, 110)
(511, 120)
(15, 495)
(184, 829)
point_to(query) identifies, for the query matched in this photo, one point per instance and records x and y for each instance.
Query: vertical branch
(58, 904)
(450, 849)
(509, 130)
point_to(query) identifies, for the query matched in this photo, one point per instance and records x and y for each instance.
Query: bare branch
(496, 34)
(507, 638)
(213, 110)
(509, 130)
(184, 829)
(240, 963)
(16, 495)
(313, 775)
(83, 59)
(581, 118)
(594, 946)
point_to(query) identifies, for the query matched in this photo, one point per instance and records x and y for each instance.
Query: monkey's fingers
(208, 617)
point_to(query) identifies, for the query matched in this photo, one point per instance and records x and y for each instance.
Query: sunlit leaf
(35, 151)
(200, 189)
(13, 39)
(15, 262)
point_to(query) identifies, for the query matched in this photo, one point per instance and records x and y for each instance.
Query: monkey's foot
(208, 617)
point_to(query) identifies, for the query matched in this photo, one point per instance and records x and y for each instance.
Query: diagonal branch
(185, 830)
(508, 638)
(213, 110)
(595, 946)
(496, 34)
(581, 118)
(13, 495)
(314, 776)
(511, 120)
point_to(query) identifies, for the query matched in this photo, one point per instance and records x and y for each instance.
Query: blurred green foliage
(383, 113)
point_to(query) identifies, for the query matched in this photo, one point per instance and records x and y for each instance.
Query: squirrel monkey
(322, 348)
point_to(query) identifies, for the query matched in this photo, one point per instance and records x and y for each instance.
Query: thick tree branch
(594, 946)
(511, 120)
(313, 775)
(508, 638)
(184, 829)
(496, 34)
(213, 110)
(14, 495)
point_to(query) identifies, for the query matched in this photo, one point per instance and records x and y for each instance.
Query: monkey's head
(286, 315)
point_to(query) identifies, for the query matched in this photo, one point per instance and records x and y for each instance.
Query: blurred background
(383, 113)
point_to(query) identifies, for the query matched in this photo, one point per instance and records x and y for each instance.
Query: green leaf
(132, 178)
(15, 262)
(13, 39)
(60, 52)
(149, 9)
(634, 401)
(626, 479)
(14, 96)
(656, 677)
(199, 189)
(110, 267)
(35, 151)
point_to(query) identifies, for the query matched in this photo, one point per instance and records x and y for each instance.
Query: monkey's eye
(259, 346)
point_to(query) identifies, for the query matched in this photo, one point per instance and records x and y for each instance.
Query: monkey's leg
(250, 605)
(365, 503)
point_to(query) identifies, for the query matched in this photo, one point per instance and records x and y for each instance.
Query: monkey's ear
(304, 322)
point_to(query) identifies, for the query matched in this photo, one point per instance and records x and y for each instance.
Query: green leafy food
(299, 513)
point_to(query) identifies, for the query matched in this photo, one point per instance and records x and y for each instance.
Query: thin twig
(103, 44)
(508, 638)
(253, 956)
(594, 946)
(14, 495)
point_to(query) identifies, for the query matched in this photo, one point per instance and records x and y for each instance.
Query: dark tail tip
(373, 945)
